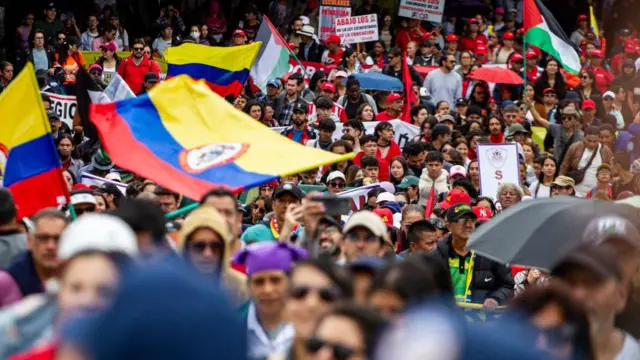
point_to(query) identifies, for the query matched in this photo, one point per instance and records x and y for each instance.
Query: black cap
(151, 77)
(299, 107)
(462, 101)
(458, 211)
(474, 109)
(53, 115)
(426, 44)
(72, 40)
(50, 5)
(440, 129)
(597, 260)
(290, 188)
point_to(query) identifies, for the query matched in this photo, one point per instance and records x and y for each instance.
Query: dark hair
(361, 110)
(536, 298)
(418, 227)
(456, 157)
(466, 184)
(415, 110)
(409, 279)
(369, 161)
(342, 143)
(607, 127)
(396, 51)
(340, 278)
(297, 77)
(109, 27)
(313, 83)
(435, 156)
(487, 120)
(164, 191)
(218, 192)
(45, 98)
(74, 180)
(327, 125)
(8, 211)
(352, 81)
(541, 161)
(368, 138)
(323, 102)
(355, 124)
(138, 41)
(380, 126)
(412, 149)
(623, 159)
(142, 216)
(133, 189)
(252, 103)
(405, 168)
(345, 55)
(592, 130)
(440, 270)
(64, 136)
(347, 138)
(375, 192)
(475, 202)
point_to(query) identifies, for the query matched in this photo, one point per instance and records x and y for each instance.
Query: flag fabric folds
(273, 57)
(224, 69)
(33, 171)
(594, 25)
(542, 30)
(188, 139)
(409, 95)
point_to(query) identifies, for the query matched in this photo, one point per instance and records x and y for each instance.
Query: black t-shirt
(351, 108)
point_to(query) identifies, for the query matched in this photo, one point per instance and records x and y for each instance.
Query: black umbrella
(536, 233)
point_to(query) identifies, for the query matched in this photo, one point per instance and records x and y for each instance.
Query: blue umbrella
(378, 81)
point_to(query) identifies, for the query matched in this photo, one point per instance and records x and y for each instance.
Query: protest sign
(64, 106)
(328, 16)
(359, 197)
(498, 164)
(357, 29)
(424, 10)
(309, 67)
(93, 180)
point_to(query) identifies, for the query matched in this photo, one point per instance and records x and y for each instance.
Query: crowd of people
(301, 281)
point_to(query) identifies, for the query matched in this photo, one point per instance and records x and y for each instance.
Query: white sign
(498, 164)
(358, 195)
(92, 180)
(357, 29)
(425, 10)
(64, 106)
(328, 15)
(404, 132)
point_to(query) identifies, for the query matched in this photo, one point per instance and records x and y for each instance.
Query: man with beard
(299, 132)
(135, 67)
(444, 84)
(285, 102)
(426, 56)
(65, 149)
(415, 155)
(394, 111)
(496, 130)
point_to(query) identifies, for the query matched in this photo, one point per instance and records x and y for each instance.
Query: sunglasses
(336, 184)
(61, 39)
(138, 49)
(96, 73)
(326, 294)
(82, 211)
(340, 352)
(200, 247)
(568, 117)
(585, 77)
(512, 116)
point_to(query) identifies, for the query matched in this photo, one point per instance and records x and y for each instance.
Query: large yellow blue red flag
(189, 139)
(224, 69)
(32, 171)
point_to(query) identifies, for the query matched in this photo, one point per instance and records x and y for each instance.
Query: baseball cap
(114, 236)
(531, 54)
(52, 115)
(440, 129)
(340, 73)
(452, 37)
(385, 196)
(597, 260)
(238, 32)
(457, 170)
(95, 67)
(609, 94)
(408, 181)
(385, 215)
(328, 86)
(274, 83)
(508, 36)
(82, 197)
(393, 97)
(482, 213)
(50, 5)
(597, 53)
(583, 17)
(426, 44)
(462, 101)
(333, 39)
(499, 10)
(335, 175)
(563, 181)
(516, 128)
(110, 46)
(458, 211)
(369, 264)
(472, 21)
(151, 77)
(455, 196)
(548, 90)
(481, 50)
(569, 111)
(367, 220)
(629, 47)
(588, 104)
(447, 117)
(298, 107)
(516, 57)
(289, 188)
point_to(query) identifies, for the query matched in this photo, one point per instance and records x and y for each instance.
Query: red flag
(431, 203)
(409, 95)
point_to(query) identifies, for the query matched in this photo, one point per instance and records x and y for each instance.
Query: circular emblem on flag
(208, 156)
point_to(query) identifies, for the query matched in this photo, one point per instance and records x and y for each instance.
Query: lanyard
(275, 229)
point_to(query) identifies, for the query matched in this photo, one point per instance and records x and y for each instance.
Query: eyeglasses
(340, 352)
(586, 77)
(96, 73)
(511, 116)
(550, 95)
(463, 221)
(45, 237)
(138, 49)
(337, 184)
(326, 294)
(568, 117)
(200, 247)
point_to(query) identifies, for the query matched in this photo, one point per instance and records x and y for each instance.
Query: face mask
(195, 35)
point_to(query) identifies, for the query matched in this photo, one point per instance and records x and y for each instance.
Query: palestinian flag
(543, 31)
(273, 58)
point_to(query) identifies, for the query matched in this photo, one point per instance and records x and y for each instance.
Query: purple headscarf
(269, 256)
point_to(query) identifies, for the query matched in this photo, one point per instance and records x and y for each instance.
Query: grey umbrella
(536, 233)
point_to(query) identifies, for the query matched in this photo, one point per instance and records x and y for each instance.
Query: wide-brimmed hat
(307, 30)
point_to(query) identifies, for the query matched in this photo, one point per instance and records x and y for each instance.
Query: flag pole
(524, 51)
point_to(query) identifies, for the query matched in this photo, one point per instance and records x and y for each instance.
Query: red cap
(481, 50)
(508, 36)
(499, 10)
(597, 53)
(386, 215)
(238, 32)
(333, 39)
(520, 31)
(453, 197)
(531, 54)
(583, 17)
(629, 47)
(516, 57)
(548, 90)
(588, 104)
(328, 86)
(291, 46)
(472, 21)
(452, 37)
(483, 213)
(393, 97)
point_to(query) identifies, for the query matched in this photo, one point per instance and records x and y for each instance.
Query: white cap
(97, 232)
(457, 170)
(113, 176)
(385, 196)
(368, 220)
(609, 94)
(83, 198)
(336, 175)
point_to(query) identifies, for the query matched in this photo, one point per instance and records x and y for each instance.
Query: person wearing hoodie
(205, 243)
(269, 266)
(433, 176)
(12, 241)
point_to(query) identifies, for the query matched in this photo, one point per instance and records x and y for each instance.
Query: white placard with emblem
(498, 164)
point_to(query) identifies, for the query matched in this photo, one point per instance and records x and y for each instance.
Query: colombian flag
(224, 69)
(33, 172)
(188, 139)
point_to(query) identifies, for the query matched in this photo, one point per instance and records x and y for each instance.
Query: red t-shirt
(337, 57)
(603, 78)
(384, 116)
(394, 151)
(404, 36)
(383, 174)
(469, 43)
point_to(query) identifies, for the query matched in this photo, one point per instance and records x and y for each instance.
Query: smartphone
(334, 206)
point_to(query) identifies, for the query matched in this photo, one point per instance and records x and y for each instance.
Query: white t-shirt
(107, 74)
(590, 179)
(543, 192)
(630, 349)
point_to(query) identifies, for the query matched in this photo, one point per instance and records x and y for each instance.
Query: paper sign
(425, 10)
(328, 16)
(357, 29)
(310, 68)
(498, 164)
(345, 3)
(64, 106)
